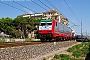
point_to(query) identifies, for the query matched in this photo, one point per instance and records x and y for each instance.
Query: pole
(81, 28)
(86, 33)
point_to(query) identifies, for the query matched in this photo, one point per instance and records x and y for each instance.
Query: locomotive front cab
(45, 29)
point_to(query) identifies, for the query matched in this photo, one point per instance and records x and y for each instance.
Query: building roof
(52, 11)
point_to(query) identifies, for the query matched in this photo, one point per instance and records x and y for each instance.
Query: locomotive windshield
(46, 23)
(49, 23)
(42, 24)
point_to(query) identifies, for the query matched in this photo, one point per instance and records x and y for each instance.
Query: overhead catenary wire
(58, 10)
(45, 5)
(24, 6)
(39, 5)
(13, 7)
(72, 22)
(71, 10)
(51, 4)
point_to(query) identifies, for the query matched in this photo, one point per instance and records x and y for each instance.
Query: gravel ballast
(30, 52)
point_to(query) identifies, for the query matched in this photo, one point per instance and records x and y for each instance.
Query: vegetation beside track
(16, 40)
(6, 40)
(77, 52)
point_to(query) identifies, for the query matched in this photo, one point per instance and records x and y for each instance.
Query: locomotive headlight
(40, 27)
(50, 27)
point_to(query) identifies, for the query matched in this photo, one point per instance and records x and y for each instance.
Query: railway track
(12, 44)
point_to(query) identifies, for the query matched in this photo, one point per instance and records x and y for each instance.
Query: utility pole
(81, 28)
(86, 33)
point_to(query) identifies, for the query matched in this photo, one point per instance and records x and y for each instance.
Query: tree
(6, 25)
(18, 26)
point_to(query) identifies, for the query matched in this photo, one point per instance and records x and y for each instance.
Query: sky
(80, 10)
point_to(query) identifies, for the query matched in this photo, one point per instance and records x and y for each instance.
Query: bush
(57, 56)
(85, 44)
(71, 49)
(87, 39)
(12, 40)
(73, 59)
(44, 58)
(64, 57)
(77, 53)
(53, 59)
(85, 51)
(2, 40)
(78, 46)
(28, 39)
(79, 59)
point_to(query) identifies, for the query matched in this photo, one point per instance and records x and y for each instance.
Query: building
(52, 14)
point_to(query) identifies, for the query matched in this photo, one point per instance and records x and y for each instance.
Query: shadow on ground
(82, 40)
(88, 55)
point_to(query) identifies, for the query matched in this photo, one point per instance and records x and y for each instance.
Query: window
(49, 23)
(56, 23)
(42, 24)
(49, 13)
(45, 14)
(55, 17)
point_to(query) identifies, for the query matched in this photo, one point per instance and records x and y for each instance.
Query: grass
(5, 40)
(63, 57)
(2, 40)
(13, 40)
(28, 39)
(78, 52)
(44, 58)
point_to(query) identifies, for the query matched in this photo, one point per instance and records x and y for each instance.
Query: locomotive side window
(56, 23)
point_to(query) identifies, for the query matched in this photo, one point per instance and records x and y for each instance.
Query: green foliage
(79, 59)
(70, 50)
(86, 44)
(12, 40)
(5, 40)
(44, 58)
(18, 26)
(6, 25)
(87, 39)
(78, 46)
(28, 39)
(64, 57)
(57, 56)
(77, 53)
(2, 40)
(73, 59)
(84, 51)
(74, 48)
(53, 59)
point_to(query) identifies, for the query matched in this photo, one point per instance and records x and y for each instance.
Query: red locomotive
(53, 30)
